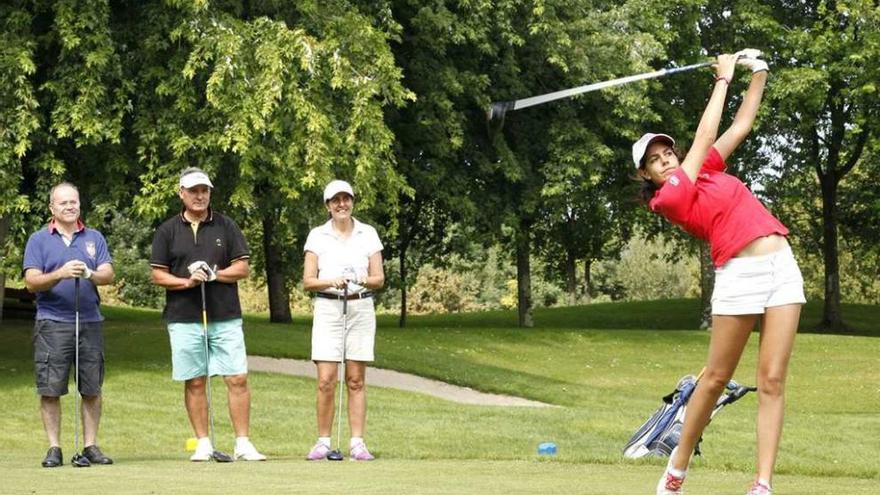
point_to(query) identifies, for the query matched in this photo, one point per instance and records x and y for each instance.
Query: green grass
(607, 364)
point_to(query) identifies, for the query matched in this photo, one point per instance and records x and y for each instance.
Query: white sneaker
(759, 488)
(670, 484)
(204, 451)
(245, 450)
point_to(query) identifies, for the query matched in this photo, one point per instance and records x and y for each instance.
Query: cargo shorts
(55, 355)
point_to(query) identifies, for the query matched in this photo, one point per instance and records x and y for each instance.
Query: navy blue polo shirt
(218, 241)
(46, 251)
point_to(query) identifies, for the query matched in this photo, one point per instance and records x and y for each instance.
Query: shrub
(129, 242)
(439, 290)
(650, 269)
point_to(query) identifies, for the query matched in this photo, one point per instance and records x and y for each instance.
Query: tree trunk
(571, 278)
(4, 228)
(523, 276)
(279, 298)
(403, 273)
(832, 319)
(707, 284)
(588, 263)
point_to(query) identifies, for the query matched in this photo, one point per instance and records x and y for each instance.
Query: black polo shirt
(218, 241)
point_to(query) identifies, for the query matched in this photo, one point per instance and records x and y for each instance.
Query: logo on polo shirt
(674, 180)
(219, 243)
(91, 250)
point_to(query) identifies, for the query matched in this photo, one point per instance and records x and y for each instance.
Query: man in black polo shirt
(201, 246)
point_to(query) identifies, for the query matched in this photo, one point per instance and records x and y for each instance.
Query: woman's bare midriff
(763, 245)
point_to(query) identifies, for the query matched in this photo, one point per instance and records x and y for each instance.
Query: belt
(358, 295)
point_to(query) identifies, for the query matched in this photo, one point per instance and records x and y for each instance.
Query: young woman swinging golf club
(343, 264)
(756, 277)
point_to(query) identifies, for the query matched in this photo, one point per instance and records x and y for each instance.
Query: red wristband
(723, 78)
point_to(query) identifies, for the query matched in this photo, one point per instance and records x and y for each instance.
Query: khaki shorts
(327, 333)
(749, 285)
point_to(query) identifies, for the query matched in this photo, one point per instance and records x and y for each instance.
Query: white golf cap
(640, 146)
(195, 178)
(335, 187)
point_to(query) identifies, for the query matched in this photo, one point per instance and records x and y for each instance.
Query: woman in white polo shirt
(342, 256)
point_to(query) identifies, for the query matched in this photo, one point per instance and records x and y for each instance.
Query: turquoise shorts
(225, 344)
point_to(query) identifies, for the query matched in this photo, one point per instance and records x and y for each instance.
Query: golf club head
(334, 455)
(221, 456)
(79, 460)
(495, 116)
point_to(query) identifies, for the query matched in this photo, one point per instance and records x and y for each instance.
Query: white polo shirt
(339, 257)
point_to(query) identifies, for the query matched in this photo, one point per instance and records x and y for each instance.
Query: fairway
(607, 365)
(393, 476)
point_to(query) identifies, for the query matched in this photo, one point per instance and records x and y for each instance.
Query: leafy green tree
(62, 99)
(553, 46)
(272, 98)
(442, 50)
(825, 56)
(279, 98)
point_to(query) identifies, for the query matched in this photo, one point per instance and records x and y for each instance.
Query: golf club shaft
(342, 364)
(207, 365)
(76, 366)
(565, 93)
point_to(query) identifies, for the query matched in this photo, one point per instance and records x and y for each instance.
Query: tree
(278, 101)
(62, 101)
(557, 45)
(443, 49)
(272, 98)
(18, 117)
(575, 220)
(825, 55)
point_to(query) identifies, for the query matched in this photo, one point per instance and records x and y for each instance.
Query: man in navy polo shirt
(55, 256)
(200, 246)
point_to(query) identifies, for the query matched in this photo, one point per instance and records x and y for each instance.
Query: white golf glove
(750, 58)
(205, 268)
(86, 274)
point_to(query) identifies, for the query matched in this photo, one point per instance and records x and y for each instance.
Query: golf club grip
(565, 93)
(204, 310)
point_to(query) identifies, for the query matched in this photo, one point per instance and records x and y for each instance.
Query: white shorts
(748, 285)
(327, 330)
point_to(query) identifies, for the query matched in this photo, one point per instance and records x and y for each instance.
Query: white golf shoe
(245, 450)
(759, 488)
(204, 451)
(670, 484)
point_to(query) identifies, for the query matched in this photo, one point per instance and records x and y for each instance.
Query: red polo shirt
(717, 208)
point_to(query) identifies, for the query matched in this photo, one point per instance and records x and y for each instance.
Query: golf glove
(749, 58)
(205, 268)
(86, 274)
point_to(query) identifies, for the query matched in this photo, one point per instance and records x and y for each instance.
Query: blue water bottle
(547, 448)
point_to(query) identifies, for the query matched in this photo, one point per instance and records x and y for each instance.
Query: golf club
(78, 459)
(336, 455)
(216, 455)
(497, 111)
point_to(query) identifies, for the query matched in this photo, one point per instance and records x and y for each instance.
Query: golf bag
(660, 433)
